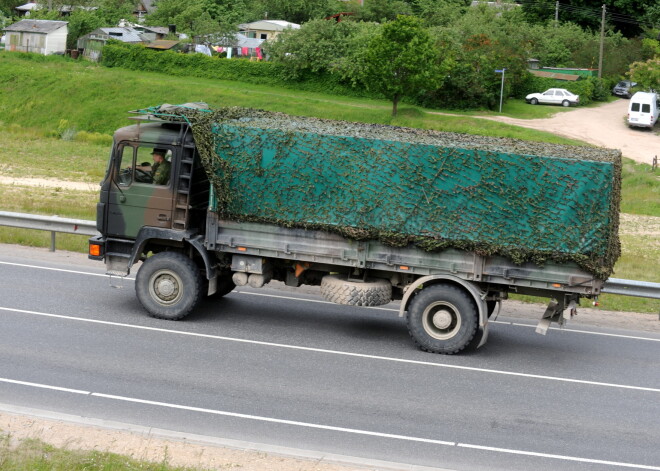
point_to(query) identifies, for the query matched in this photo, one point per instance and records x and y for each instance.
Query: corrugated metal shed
(162, 44)
(36, 26)
(127, 35)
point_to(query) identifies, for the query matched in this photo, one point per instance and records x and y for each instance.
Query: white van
(643, 110)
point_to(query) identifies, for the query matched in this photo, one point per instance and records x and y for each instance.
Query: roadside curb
(252, 453)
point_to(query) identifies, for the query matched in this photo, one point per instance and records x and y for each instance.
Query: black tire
(168, 285)
(534, 101)
(373, 292)
(442, 319)
(565, 103)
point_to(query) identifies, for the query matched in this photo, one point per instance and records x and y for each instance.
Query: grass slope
(50, 94)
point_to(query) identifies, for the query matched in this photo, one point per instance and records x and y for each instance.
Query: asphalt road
(288, 369)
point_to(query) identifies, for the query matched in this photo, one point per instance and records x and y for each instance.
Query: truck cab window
(126, 166)
(139, 165)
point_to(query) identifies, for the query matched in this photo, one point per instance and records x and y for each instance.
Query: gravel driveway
(603, 125)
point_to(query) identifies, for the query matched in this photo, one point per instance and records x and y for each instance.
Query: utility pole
(556, 13)
(602, 40)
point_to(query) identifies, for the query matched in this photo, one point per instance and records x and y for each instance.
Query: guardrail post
(52, 241)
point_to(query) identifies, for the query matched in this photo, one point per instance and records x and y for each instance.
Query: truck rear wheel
(168, 285)
(442, 319)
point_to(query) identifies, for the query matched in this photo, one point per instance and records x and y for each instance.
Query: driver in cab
(160, 170)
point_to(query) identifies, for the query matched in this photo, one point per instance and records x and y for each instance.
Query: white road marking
(578, 331)
(333, 428)
(338, 352)
(58, 269)
(293, 298)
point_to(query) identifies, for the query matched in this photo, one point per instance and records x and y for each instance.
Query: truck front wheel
(168, 285)
(442, 319)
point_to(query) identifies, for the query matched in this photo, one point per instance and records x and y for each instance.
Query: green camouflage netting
(524, 200)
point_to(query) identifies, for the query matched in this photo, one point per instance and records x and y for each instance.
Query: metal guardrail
(54, 224)
(641, 289)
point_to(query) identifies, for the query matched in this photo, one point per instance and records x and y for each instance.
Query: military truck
(448, 224)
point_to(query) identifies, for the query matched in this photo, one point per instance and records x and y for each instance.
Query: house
(64, 10)
(265, 29)
(150, 33)
(143, 8)
(39, 36)
(92, 43)
(25, 10)
(154, 33)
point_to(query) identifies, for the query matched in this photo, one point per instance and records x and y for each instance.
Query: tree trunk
(395, 103)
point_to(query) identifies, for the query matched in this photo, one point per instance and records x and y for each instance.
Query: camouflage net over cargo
(523, 200)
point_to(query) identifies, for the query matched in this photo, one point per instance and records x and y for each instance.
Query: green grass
(35, 455)
(640, 191)
(94, 99)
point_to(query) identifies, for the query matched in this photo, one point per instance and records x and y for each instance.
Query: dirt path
(604, 126)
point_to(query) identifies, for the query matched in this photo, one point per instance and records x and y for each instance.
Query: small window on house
(263, 36)
(251, 34)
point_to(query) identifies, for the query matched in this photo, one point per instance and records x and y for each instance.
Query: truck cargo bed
(320, 247)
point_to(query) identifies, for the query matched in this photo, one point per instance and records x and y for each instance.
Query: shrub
(137, 57)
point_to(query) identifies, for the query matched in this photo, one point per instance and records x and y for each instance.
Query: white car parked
(553, 96)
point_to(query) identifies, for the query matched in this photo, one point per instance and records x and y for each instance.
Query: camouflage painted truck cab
(448, 224)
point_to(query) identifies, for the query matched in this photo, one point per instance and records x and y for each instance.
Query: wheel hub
(442, 319)
(166, 288)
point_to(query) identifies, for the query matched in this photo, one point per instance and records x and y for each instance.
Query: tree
(82, 22)
(626, 16)
(439, 12)
(381, 10)
(647, 74)
(321, 46)
(7, 6)
(191, 17)
(295, 11)
(402, 60)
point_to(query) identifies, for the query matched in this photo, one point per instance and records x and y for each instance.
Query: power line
(588, 12)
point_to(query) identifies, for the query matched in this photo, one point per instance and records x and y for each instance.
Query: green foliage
(587, 13)
(137, 57)
(640, 189)
(295, 11)
(323, 47)
(651, 47)
(381, 11)
(439, 12)
(82, 22)
(646, 74)
(402, 60)
(193, 17)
